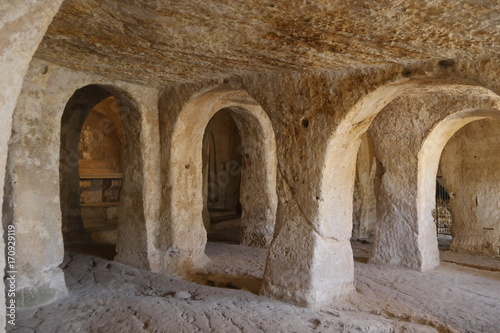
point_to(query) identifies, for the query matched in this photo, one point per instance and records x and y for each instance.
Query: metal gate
(441, 213)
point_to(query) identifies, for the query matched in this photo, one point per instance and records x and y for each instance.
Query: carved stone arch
(131, 243)
(326, 239)
(429, 158)
(182, 223)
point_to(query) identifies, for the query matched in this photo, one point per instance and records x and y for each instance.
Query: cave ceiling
(158, 43)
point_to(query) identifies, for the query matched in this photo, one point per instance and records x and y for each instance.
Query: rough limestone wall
(305, 266)
(310, 260)
(469, 165)
(403, 237)
(182, 237)
(138, 212)
(33, 173)
(22, 26)
(258, 203)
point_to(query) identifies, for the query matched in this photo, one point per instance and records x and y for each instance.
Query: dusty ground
(110, 297)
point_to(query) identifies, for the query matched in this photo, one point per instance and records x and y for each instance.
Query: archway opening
(186, 216)
(222, 159)
(468, 164)
(233, 181)
(454, 147)
(101, 174)
(91, 172)
(96, 125)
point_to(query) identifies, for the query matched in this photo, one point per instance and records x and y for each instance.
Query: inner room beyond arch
(222, 166)
(100, 177)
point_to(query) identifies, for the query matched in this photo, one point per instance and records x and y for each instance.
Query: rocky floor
(109, 297)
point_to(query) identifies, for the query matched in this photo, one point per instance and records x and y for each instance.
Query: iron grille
(441, 213)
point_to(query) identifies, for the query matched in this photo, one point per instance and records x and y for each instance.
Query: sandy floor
(462, 295)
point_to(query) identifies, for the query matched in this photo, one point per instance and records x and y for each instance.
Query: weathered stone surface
(316, 118)
(33, 193)
(315, 202)
(469, 165)
(408, 144)
(183, 237)
(179, 41)
(314, 75)
(22, 26)
(181, 294)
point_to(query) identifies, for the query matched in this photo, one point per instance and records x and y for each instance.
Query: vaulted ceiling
(158, 42)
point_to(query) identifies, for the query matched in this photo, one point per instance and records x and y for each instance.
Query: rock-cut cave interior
(250, 166)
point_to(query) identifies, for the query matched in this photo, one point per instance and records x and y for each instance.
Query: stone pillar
(258, 188)
(305, 267)
(32, 194)
(405, 233)
(403, 237)
(310, 261)
(23, 24)
(138, 213)
(400, 238)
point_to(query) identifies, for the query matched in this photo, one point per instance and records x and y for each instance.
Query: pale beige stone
(183, 239)
(22, 26)
(469, 165)
(34, 171)
(304, 82)
(414, 142)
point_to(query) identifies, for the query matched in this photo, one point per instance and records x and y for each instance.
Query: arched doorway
(222, 163)
(327, 257)
(467, 143)
(100, 178)
(100, 182)
(183, 221)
